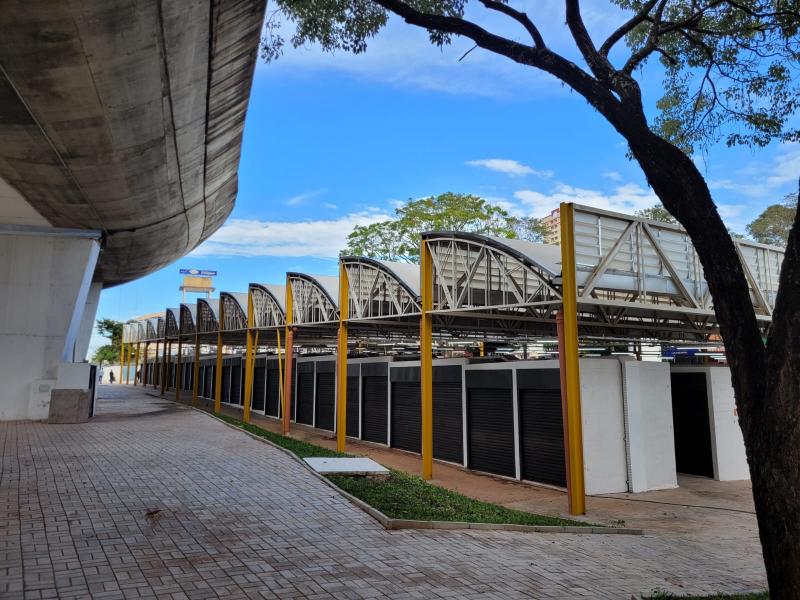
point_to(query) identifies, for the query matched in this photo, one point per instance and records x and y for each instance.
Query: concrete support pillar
(45, 280)
(87, 323)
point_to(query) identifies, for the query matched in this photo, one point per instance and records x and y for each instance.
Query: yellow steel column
(136, 362)
(196, 369)
(145, 365)
(426, 359)
(341, 360)
(280, 367)
(569, 349)
(287, 382)
(178, 369)
(218, 378)
(248, 361)
(165, 360)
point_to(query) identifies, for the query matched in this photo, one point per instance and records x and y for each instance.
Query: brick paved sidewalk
(153, 500)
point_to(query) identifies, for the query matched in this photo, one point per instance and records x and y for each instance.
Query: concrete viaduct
(120, 134)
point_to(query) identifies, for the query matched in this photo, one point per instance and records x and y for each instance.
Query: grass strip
(404, 496)
(301, 449)
(662, 595)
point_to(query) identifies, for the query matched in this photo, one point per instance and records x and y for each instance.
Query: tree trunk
(766, 382)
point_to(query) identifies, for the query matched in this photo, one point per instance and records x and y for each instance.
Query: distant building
(553, 223)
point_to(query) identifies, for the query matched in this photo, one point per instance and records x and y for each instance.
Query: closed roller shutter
(406, 416)
(236, 382)
(375, 405)
(305, 398)
(692, 428)
(211, 377)
(226, 383)
(259, 386)
(326, 395)
(273, 390)
(448, 426)
(352, 405)
(490, 426)
(542, 436)
(201, 379)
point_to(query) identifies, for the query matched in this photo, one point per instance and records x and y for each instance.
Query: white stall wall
(602, 419)
(727, 443)
(651, 437)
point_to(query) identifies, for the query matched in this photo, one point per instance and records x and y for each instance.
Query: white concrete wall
(87, 322)
(730, 457)
(603, 426)
(651, 436)
(44, 284)
(727, 443)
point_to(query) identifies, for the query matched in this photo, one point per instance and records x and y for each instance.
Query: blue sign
(198, 272)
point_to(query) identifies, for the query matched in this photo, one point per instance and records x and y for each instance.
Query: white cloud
(304, 197)
(509, 167)
(612, 175)
(626, 198)
(730, 210)
(250, 237)
(330, 205)
(765, 180)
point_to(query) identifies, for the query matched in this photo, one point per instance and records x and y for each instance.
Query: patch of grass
(662, 595)
(403, 496)
(301, 449)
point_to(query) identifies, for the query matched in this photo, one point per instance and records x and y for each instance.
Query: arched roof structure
(314, 298)
(207, 321)
(269, 305)
(151, 330)
(234, 310)
(380, 290)
(172, 323)
(188, 319)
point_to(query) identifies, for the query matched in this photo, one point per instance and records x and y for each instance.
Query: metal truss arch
(188, 318)
(381, 290)
(172, 323)
(234, 310)
(207, 310)
(479, 273)
(268, 305)
(313, 298)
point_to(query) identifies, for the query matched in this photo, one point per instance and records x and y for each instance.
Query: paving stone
(153, 500)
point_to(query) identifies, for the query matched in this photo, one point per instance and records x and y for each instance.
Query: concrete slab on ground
(357, 465)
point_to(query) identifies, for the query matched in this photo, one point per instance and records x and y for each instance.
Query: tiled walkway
(153, 500)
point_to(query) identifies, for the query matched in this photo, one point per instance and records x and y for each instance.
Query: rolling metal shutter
(211, 377)
(305, 393)
(490, 422)
(226, 383)
(448, 425)
(326, 396)
(201, 376)
(273, 389)
(352, 405)
(406, 415)
(236, 381)
(259, 384)
(692, 427)
(374, 408)
(541, 427)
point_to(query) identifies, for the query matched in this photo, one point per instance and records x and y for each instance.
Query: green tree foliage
(398, 239)
(773, 225)
(657, 212)
(109, 353)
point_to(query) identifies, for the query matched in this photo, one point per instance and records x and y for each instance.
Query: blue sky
(332, 141)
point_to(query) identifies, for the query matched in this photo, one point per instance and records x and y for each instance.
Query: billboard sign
(198, 272)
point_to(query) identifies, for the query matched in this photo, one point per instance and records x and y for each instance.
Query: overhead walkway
(613, 277)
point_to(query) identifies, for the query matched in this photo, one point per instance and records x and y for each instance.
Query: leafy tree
(656, 213)
(730, 71)
(774, 224)
(398, 238)
(109, 353)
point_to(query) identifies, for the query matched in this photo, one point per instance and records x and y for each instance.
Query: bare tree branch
(627, 27)
(518, 16)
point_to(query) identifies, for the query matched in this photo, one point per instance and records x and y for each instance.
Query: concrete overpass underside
(121, 126)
